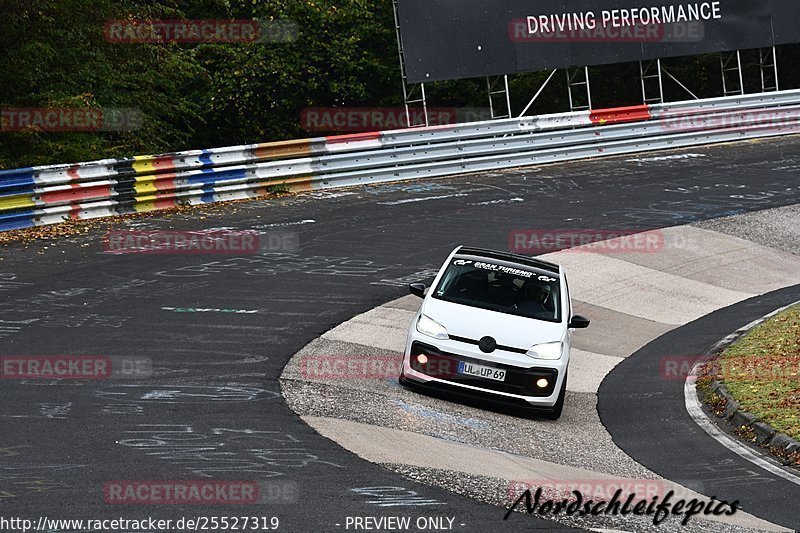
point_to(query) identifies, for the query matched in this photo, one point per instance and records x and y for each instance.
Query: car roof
(510, 257)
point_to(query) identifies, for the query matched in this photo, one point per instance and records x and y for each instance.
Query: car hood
(507, 330)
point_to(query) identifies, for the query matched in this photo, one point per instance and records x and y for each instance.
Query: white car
(496, 326)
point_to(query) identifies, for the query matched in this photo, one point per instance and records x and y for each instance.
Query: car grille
(443, 365)
(499, 346)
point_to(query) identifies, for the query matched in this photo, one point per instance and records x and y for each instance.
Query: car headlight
(550, 350)
(428, 326)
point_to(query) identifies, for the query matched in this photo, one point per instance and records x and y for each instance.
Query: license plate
(480, 371)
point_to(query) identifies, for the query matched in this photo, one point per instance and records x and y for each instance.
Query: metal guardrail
(50, 194)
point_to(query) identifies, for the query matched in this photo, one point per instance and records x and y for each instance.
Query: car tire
(555, 412)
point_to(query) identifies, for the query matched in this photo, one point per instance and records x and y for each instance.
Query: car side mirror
(417, 289)
(579, 322)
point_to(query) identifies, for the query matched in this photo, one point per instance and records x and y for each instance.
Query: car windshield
(502, 288)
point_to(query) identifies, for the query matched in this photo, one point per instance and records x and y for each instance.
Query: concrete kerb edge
(737, 418)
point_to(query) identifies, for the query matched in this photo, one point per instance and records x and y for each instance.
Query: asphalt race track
(657, 406)
(212, 408)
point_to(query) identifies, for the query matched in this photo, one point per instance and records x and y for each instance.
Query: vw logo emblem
(487, 344)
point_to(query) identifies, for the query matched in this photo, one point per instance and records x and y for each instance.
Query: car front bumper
(519, 388)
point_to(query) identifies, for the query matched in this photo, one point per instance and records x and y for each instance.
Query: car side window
(568, 299)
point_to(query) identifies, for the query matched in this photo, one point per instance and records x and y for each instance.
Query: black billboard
(456, 39)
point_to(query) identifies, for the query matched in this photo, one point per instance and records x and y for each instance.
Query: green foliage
(55, 55)
(344, 54)
(762, 371)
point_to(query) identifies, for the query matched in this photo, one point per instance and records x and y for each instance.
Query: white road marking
(282, 224)
(411, 200)
(329, 195)
(696, 412)
(501, 201)
(664, 158)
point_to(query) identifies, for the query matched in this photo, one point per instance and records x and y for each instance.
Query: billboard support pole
(645, 74)
(503, 91)
(775, 63)
(508, 97)
(573, 82)
(408, 90)
(682, 86)
(535, 96)
(725, 61)
(767, 68)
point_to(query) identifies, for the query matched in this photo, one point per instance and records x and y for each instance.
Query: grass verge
(762, 372)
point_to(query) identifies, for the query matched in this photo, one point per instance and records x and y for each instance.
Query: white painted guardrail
(50, 194)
